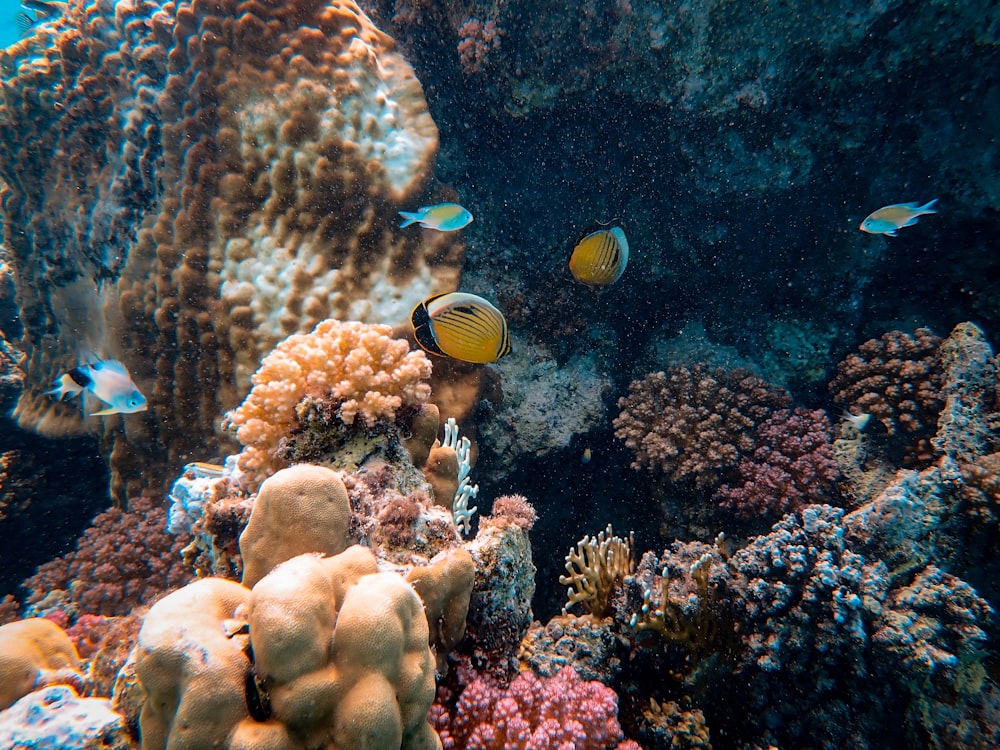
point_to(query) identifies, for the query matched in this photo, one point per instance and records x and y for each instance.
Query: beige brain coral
(339, 659)
(358, 367)
(303, 508)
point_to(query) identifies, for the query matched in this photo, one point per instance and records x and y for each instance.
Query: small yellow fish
(600, 258)
(461, 326)
(444, 217)
(106, 379)
(888, 219)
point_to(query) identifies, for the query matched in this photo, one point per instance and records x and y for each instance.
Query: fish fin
(410, 218)
(928, 207)
(890, 233)
(104, 412)
(111, 365)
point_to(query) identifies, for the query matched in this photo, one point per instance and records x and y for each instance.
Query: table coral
(363, 374)
(792, 466)
(690, 423)
(897, 379)
(223, 174)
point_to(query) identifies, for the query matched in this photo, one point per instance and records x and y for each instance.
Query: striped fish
(461, 326)
(600, 258)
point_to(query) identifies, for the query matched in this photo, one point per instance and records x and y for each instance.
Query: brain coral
(222, 174)
(691, 422)
(359, 367)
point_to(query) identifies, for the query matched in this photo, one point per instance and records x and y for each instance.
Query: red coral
(897, 379)
(792, 466)
(540, 714)
(124, 559)
(692, 423)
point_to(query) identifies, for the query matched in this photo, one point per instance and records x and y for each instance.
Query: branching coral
(358, 369)
(126, 558)
(897, 379)
(691, 423)
(597, 567)
(791, 466)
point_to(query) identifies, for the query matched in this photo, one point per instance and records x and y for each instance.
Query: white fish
(106, 379)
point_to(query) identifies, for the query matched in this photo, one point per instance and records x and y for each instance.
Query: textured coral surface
(235, 175)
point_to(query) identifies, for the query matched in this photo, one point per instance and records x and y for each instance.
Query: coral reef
(545, 404)
(34, 653)
(56, 717)
(552, 712)
(596, 568)
(691, 423)
(898, 380)
(792, 466)
(331, 638)
(339, 377)
(231, 175)
(126, 558)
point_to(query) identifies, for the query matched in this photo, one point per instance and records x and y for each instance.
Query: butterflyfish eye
(461, 326)
(600, 258)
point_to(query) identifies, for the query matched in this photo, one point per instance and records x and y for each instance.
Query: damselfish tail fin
(410, 218)
(66, 386)
(928, 207)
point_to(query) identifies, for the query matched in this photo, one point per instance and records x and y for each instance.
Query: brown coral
(691, 423)
(224, 174)
(897, 379)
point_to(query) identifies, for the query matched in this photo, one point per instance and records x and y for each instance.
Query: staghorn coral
(792, 466)
(690, 423)
(597, 567)
(224, 174)
(344, 374)
(897, 379)
(126, 558)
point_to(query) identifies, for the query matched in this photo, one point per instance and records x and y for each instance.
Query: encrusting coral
(235, 177)
(344, 375)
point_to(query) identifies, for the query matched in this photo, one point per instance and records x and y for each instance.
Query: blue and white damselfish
(108, 380)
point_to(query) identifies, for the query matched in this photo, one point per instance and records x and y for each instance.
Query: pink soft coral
(533, 714)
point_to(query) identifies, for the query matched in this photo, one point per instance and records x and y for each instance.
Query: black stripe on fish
(423, 332)
(81, 378)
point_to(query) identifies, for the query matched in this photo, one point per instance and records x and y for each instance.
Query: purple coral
(792, 466)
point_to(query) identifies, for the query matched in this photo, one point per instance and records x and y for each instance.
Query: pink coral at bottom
(556, 713)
